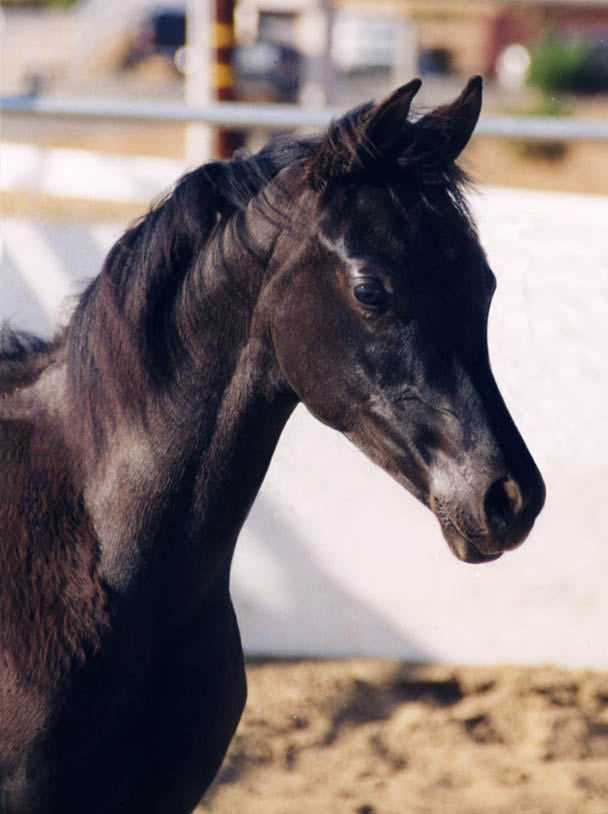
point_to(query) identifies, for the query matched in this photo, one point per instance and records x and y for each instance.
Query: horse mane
(23, 356)
(123, 339)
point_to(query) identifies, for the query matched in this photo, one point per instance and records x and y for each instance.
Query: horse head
(378, 305)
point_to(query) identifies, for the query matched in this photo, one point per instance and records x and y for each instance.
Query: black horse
(343, 271)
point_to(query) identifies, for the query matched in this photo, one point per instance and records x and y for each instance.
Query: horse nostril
(502, 503)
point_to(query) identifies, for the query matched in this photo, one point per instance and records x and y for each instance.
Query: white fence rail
(282, 117)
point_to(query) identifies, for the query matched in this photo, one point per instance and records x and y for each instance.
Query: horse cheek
(318, 363)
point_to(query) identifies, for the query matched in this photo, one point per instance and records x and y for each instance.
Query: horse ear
(386, 124)
(452, 125)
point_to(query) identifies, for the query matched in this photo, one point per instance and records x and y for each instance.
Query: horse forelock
(415, 163)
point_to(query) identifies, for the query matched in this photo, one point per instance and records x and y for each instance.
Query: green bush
(562, 65)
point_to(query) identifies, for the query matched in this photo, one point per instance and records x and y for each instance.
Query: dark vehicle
(436, 61)
(264, 71)
(162, 32)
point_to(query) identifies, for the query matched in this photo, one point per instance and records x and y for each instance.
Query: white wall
(336, 559)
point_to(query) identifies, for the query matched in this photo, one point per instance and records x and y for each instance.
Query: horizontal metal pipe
(542, 128)
(233, 114)
(237, 115)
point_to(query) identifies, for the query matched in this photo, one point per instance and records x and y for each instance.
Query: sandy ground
(380, 737)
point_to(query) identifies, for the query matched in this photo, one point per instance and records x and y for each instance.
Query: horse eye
(371, 294)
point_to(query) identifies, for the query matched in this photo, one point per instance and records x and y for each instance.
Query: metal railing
(237, 115)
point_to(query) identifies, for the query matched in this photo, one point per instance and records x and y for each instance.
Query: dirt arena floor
(381, 737)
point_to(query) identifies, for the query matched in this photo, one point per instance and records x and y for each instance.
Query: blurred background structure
(123, 75)
(545, 58)
(67, 39)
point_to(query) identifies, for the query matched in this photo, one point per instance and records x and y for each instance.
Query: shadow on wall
(297, 597)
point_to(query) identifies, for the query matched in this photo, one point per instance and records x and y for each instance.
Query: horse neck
(192, 455)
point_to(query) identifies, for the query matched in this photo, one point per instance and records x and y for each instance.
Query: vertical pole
(198, 91)
(223, 74)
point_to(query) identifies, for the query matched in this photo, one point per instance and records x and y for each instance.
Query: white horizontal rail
(225, 114)
(282, 117)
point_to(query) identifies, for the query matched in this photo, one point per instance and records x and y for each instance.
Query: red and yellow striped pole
(222, 74)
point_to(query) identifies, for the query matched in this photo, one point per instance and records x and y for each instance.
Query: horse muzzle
(499, 522)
